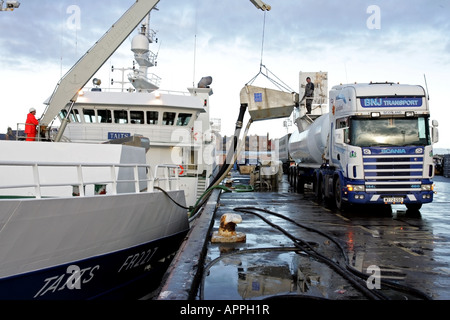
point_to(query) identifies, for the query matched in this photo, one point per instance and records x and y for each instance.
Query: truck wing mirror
(435, 131)
(339, 135)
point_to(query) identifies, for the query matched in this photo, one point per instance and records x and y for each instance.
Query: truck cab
(380, 145)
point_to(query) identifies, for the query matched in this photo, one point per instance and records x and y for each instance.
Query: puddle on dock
(262, 274)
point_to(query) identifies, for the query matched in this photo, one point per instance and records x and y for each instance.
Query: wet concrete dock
(298, 248)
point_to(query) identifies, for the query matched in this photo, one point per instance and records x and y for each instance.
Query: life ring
(182, 170)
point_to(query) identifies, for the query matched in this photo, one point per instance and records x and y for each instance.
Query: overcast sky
(354, 41)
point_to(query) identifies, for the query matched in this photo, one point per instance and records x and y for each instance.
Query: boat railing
(152, 78)
(44, 178)
(167, 177)
(161, 91)
(21, 135)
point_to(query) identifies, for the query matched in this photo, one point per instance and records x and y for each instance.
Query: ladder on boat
(201, 187)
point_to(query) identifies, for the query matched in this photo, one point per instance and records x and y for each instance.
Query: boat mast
(145, 58)
(68, 87)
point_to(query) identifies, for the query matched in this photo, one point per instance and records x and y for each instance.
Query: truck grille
(393, 174)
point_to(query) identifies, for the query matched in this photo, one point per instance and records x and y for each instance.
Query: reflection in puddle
(260, 275)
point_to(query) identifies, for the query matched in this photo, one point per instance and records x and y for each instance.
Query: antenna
(346, 75)
(426, 86)
(195, 60)
(195, 45)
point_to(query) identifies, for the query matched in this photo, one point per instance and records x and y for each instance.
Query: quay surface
(298, 248)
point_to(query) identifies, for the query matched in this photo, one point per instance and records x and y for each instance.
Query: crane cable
(263, 38)
(279, 84)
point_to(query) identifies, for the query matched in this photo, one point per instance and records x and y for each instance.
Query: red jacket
(30, 125)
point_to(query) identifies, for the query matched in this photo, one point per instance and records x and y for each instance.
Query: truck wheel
(300, 184)
(289, 176)
(293, 179)
(340, 204)
(317, 186)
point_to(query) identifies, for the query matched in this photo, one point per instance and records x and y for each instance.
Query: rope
(263, 37)
(280, 84)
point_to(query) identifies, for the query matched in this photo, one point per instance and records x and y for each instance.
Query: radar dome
(140, 44)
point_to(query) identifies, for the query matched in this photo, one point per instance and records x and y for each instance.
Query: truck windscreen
(389, 132)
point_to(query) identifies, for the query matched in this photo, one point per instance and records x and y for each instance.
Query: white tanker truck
(373, 146)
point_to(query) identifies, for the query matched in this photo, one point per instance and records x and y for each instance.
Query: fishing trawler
(97, 207)
(175, 126)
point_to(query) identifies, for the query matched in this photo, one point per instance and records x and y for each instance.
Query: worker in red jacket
(30, 125)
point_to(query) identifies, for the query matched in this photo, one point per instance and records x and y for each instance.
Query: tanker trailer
(306, 148)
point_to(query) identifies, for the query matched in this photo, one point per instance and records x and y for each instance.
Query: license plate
(392, 200)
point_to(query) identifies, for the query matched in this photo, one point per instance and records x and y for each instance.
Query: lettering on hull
(118, 135)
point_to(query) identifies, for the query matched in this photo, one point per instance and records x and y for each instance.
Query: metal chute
(266, 104)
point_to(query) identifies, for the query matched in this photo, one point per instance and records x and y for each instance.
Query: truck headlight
(427, 187)
(356, 187)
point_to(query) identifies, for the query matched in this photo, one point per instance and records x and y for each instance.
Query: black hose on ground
(306, 247)
(390, 284)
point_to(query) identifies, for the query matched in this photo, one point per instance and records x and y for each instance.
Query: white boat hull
(57, 244)
(85, 248)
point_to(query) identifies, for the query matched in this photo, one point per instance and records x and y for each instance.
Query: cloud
(291, 25)
(300, 35)
(39, 30)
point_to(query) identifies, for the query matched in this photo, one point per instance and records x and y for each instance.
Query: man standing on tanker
(30, 125)
(309, 94)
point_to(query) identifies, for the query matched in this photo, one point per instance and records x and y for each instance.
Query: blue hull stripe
(107, 276)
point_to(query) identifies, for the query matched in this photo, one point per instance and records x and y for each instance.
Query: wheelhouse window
(89, 116)
(169, 118)
(390, 132)
(121, 116)
(74, 116)
(104, 116)
(137, 117)
(152, 117)
(183, 119)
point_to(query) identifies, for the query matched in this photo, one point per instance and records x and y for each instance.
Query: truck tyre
(294, 179)
(290, 175)
(340, 204)
(300, 184)
(326, 199)
(317, 186)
